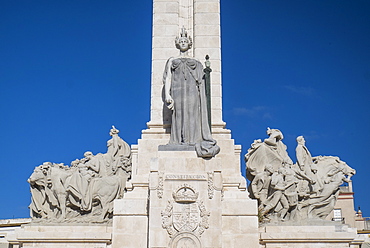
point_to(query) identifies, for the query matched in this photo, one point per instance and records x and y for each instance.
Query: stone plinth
(185, 199)
(130, 222)
(64, 235)
(309, 236)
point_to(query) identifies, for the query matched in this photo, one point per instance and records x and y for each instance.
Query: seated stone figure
(85, 190)
(306, 165)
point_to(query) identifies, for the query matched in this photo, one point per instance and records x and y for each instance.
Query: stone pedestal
(309, 236)
(176, 198)
(61, 236)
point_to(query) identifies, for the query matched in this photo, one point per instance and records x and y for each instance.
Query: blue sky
(71, 69)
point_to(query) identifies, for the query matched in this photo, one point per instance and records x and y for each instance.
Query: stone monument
(186, 186)
(181, 185)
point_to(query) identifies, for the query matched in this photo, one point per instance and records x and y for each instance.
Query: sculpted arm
(167, 85)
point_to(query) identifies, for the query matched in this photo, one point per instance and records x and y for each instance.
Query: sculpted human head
(75, 163)
(275, 134)
(184, 42)
(88, 154)
(301, 140)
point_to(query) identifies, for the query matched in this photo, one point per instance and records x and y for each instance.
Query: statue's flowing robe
(118, 150)
(119, 160)
(262, 154)
(79, 188)
(190, 117)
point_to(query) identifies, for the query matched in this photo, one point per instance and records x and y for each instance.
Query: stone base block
(130, 223)
(59, 235)
(308, 236)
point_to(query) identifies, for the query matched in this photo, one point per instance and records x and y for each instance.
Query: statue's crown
(185, 194)
(183, 33)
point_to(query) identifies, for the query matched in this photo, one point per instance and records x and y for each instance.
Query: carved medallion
(185, 239)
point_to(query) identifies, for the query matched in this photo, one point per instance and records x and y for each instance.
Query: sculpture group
(285, 191)
(85, 190)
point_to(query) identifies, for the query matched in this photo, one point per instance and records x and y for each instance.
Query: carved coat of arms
(185, 213)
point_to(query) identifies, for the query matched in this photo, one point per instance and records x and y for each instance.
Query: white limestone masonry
(202, 20)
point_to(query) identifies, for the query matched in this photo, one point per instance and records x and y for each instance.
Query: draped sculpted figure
(272, 151)
(185, 95)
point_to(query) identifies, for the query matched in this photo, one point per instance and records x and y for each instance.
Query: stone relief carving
(185, 239)
(185, 96)
(185, 177)
(185, 214)
(84, 191)
(211, 187)
(294, 192)
(160, 185)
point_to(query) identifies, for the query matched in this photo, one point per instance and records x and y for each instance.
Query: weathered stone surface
(56, 236)
(307, 236)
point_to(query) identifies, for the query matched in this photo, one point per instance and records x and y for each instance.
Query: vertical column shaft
(201, 18)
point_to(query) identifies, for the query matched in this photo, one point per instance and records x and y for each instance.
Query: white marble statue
(84, 191)
(185, 95)
(293, 192)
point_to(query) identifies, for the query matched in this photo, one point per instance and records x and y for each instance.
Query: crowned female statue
(185, 95)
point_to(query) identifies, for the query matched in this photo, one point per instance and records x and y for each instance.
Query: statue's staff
(207, 79)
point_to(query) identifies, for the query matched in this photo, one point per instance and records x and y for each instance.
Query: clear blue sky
(71, 69)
